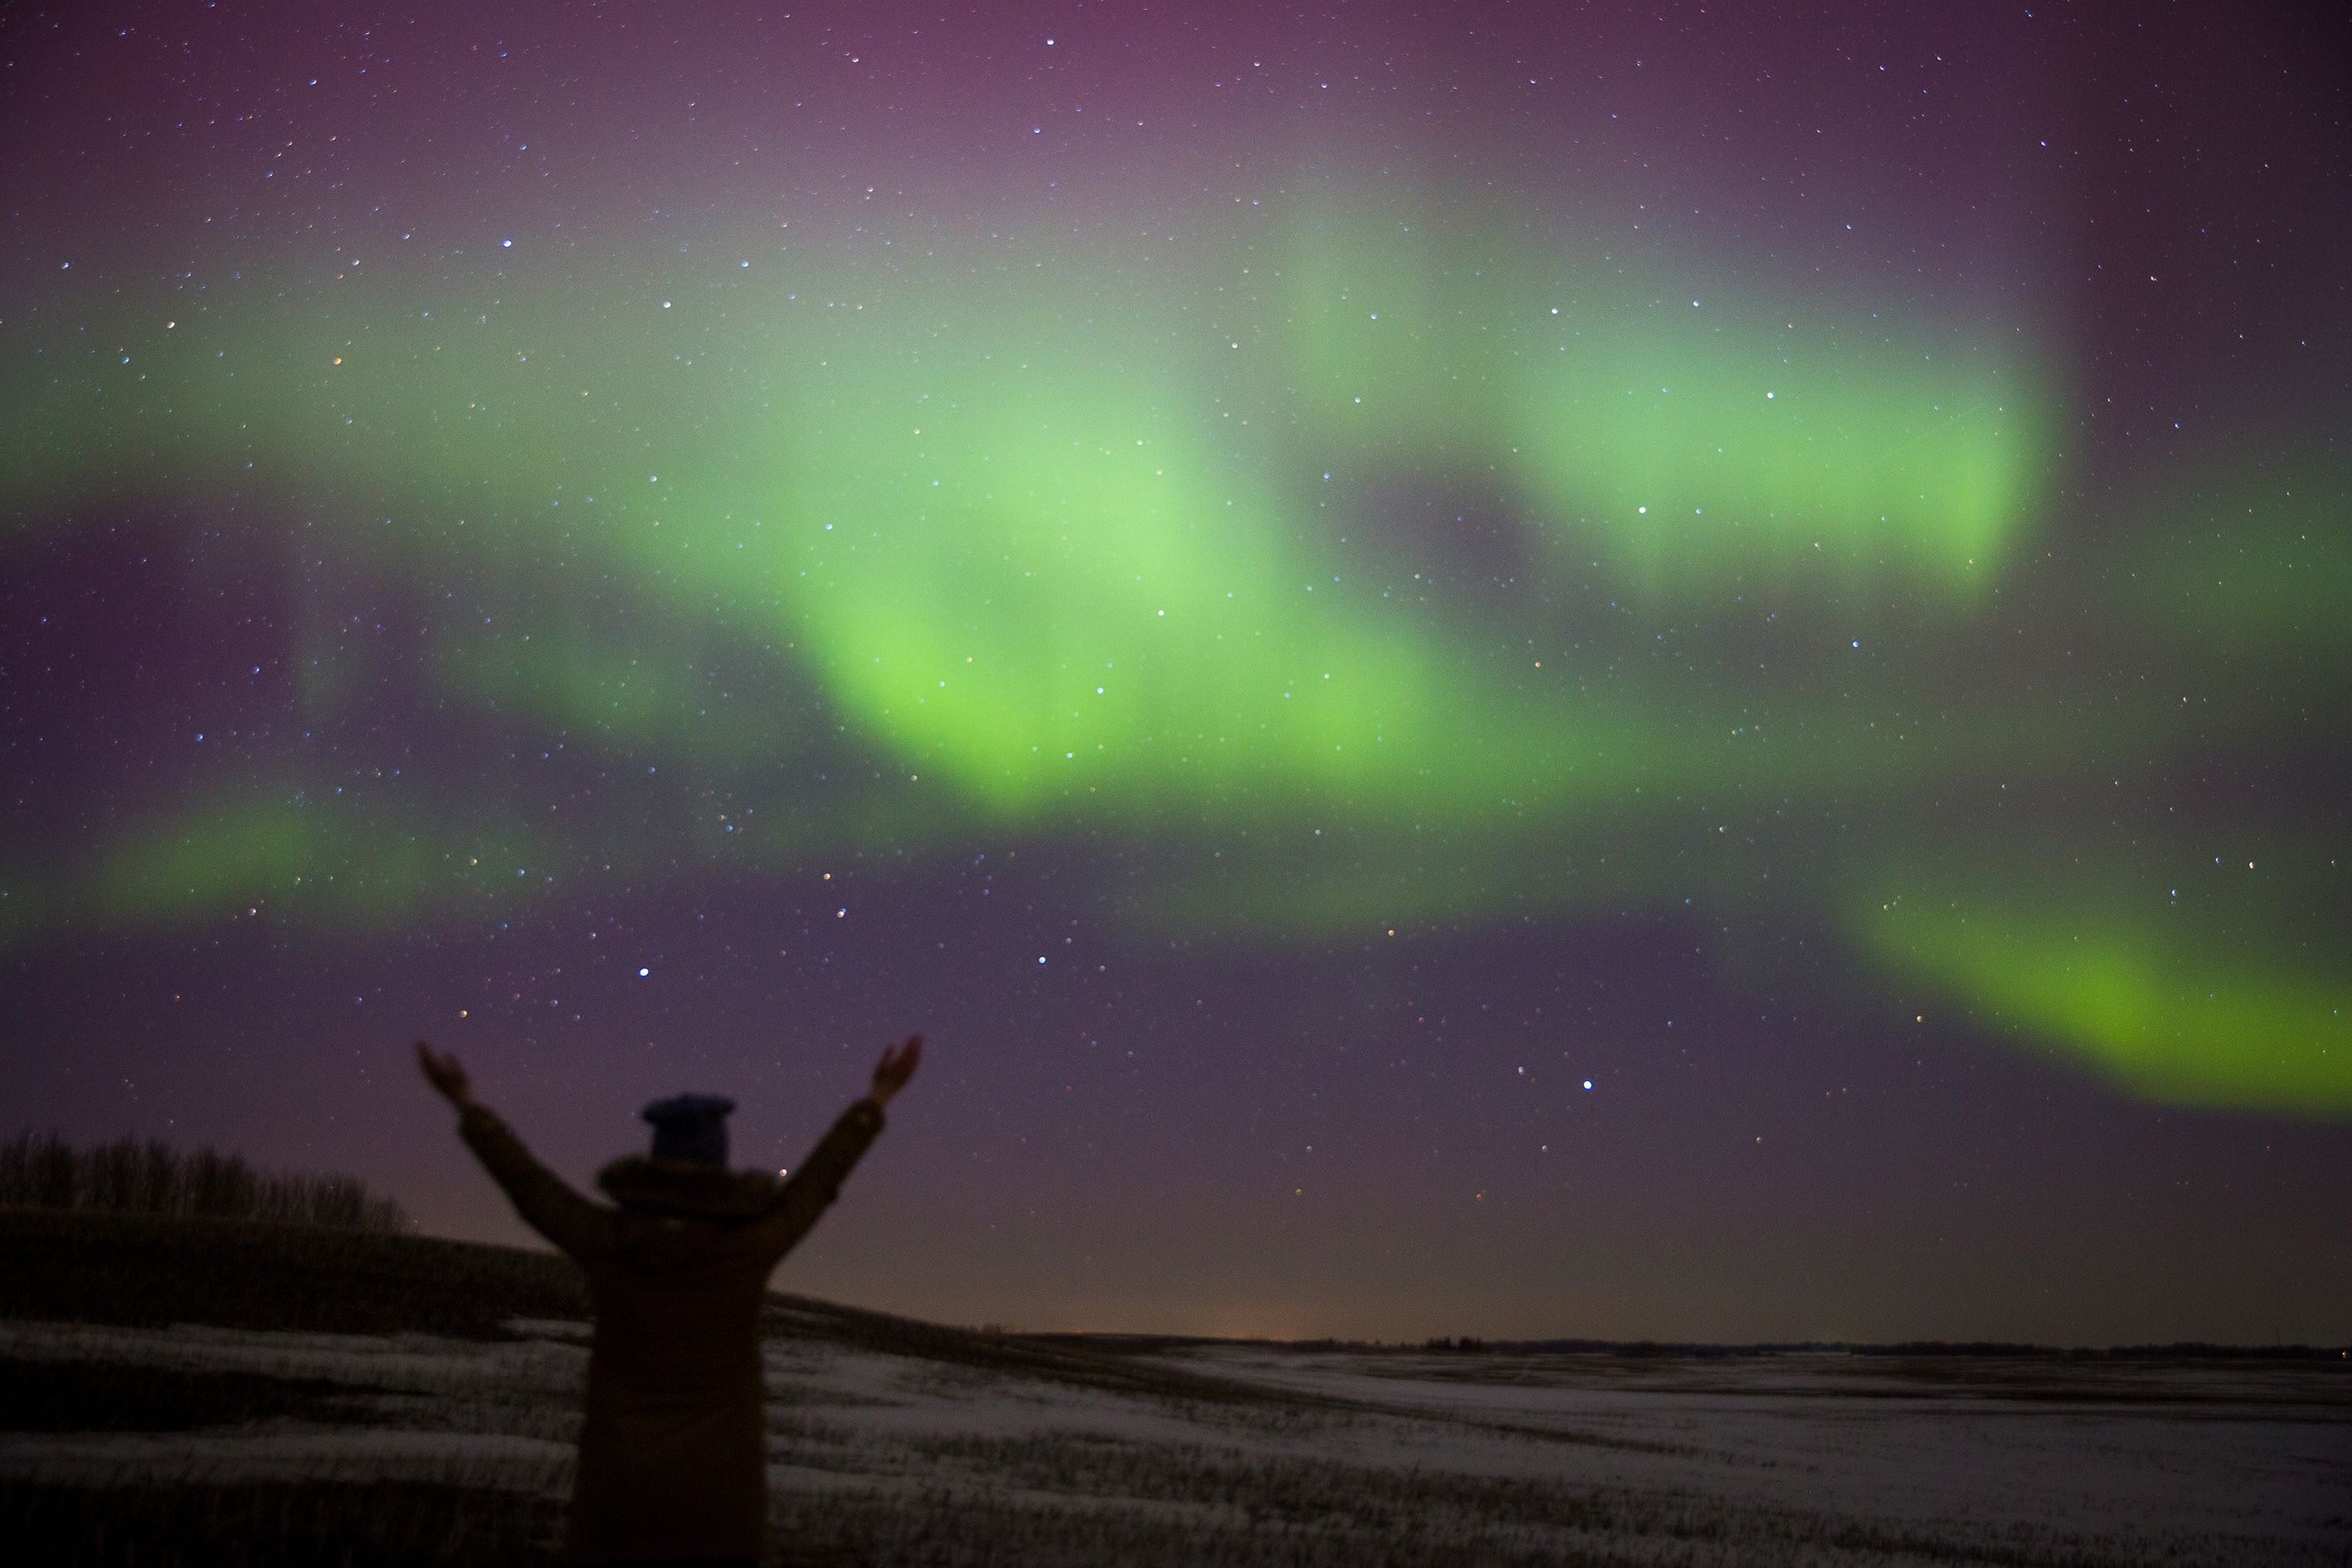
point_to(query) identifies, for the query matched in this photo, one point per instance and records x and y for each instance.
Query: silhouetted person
(673, 1458)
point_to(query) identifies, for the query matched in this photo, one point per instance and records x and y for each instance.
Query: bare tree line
(128, 1176)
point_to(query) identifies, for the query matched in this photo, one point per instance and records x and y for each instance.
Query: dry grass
(330, 1524)
(1065, 1360)
(106, 1397)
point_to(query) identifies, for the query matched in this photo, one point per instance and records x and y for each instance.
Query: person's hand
(897, 1067)
(444, 1073)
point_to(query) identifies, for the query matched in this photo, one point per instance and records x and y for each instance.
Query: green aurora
(1067, 537)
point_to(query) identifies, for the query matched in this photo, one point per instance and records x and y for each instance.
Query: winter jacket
(673, 1461)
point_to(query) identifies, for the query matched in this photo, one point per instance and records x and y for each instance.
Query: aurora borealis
(1292, 589)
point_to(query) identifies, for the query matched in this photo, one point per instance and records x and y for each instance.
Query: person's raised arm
(547, 1203)
(811, 1190)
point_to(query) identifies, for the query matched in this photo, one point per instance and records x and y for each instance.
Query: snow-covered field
(1237, 1453)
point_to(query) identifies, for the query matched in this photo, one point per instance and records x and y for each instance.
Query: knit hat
(691, 1127)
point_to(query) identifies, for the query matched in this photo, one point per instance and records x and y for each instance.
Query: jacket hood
(642, 1184)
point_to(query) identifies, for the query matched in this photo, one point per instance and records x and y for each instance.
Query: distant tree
(127, 1176)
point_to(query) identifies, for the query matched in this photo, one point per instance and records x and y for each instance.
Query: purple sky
(1248, 1132)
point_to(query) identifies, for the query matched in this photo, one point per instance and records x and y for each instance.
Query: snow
(2214, 1462)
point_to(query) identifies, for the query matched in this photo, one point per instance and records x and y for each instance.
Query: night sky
(1522, 670)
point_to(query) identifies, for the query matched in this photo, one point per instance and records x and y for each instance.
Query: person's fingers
(898, 1065)
(441, 1069)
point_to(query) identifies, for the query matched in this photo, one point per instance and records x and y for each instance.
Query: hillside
(222, 1392)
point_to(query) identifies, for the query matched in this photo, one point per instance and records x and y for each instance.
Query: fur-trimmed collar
(688, 1187)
